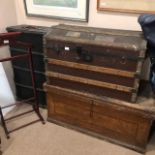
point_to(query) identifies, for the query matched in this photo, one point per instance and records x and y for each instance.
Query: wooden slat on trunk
(89, 81)
(92, 68)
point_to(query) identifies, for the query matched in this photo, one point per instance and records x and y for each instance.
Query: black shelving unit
(34, 35)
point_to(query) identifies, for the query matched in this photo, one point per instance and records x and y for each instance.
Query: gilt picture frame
(127, 6)
(76, 10)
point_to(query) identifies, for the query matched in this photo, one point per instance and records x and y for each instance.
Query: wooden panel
(120, 40)
(80, 123)
(131, 126)
(69, 111)
(85, 88)
(143, 132)
(144, 106)
(121, 112)
(59, 46)
(133, 134)
(114, 124)
(103, 61)
(120, 80)
(123, 132)
(89, 81)
(63, 107)
(89, 67)
(50, 104)
(70, 100)
(70, 106)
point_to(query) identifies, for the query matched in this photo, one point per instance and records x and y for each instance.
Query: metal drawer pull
(123, 60)
(66, 48)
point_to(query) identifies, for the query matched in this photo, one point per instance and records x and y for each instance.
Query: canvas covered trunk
(103, 62)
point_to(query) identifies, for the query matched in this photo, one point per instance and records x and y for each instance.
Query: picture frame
(127, 6)
(76, 10)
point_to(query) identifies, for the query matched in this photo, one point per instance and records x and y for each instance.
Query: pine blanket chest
(92, 81)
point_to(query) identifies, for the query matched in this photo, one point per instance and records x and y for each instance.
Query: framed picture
(62, 9)
(131, 6)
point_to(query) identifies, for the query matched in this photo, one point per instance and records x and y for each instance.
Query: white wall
(7, 14)
(96, 19)
(7, 18)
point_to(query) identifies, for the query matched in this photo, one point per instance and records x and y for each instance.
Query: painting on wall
(129, 6)
(57, 3)
(64, 9)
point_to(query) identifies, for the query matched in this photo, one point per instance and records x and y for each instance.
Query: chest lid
(120, 39)
(29, 29)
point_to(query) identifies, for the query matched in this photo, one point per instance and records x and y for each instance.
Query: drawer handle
(123, 60)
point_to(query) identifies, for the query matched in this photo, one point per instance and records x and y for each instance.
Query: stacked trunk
(97, 61)
(89, 72)
(33, 35)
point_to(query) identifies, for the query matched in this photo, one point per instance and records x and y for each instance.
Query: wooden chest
(91, 74)
(113, 120)
(103, 62)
